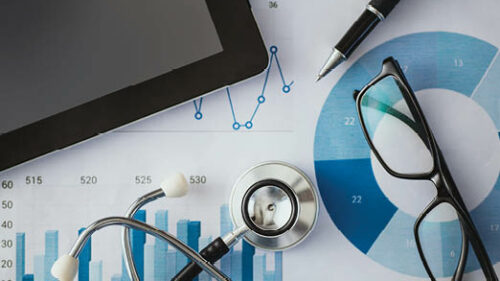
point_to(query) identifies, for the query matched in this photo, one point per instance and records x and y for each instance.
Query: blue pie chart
(355, 202)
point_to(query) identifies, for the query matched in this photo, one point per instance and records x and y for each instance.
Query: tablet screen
(58, 54)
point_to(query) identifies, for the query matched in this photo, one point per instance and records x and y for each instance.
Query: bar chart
(156, 261)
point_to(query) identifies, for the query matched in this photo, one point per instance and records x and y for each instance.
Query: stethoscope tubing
(131, 223)
(229, 239)
(126, 243)
(212, 252)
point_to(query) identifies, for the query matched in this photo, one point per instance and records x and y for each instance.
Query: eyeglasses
(398, 135)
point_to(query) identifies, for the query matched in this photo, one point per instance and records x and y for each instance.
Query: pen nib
(319, 78)
(335, 58)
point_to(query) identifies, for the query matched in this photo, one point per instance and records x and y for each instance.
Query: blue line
(281, 73)
(195, 106)
(255, 111)
(260, 99)
(231, 104)
(201, 102)
(267, 75)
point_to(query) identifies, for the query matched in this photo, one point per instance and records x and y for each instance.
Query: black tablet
(70, 70)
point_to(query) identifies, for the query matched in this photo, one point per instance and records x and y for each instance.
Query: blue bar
(28, 277)
(124, 276)
(95, 271)
(278, 266)
(247, 261)
(236, 264)
(171, 269)
(226, 226)
(138, 241)
(259, 267)
(84, 259)
(161, 247)
(20, 255)
(39, 268)
(149, 263)
(182, 234)
(269, 276)
(225, 263)
(51, 252)
(194, 233)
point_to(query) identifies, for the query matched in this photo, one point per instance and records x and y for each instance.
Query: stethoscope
(273, 206)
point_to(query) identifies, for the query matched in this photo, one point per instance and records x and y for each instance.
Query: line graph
(261, 99)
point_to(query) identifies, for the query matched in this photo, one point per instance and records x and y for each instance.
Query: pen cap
(384, 6)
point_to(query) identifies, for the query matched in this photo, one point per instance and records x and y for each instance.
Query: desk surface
(450, 52)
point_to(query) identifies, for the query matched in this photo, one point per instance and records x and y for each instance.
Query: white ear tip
(65, 268)
(175, 185)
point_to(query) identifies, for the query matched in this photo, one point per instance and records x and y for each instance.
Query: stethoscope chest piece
(278, 204)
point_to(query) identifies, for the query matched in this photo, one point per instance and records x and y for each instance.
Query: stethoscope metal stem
(126, 244)
(130, 223)
(234, 236)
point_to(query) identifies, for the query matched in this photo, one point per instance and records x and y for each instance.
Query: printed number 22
(349, 121)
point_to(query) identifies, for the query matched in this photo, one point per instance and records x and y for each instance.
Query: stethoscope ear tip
(65, 268)
(175, 185)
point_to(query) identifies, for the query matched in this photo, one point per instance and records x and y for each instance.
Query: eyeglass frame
(447, 191)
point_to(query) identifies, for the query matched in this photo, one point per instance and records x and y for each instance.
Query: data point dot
(249, 125)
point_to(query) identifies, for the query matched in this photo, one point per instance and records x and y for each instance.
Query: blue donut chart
(353, 199)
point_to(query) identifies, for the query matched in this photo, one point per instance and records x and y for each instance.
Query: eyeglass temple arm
(462, 262)
(470, 229)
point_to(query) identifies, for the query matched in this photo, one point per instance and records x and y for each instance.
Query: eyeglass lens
(395, 132)
(441, 240)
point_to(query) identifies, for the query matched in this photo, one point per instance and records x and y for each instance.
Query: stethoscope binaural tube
(273, 206)
(173, 186)
(126, 243)
(65, 268)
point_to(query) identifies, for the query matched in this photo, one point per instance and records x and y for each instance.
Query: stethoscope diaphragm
(277, 203)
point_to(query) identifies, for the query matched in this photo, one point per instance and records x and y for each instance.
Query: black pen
(375, 12)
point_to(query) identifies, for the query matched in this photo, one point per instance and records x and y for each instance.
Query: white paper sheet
(103, 176)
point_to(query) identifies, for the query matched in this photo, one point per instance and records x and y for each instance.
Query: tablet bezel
(244, 55)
